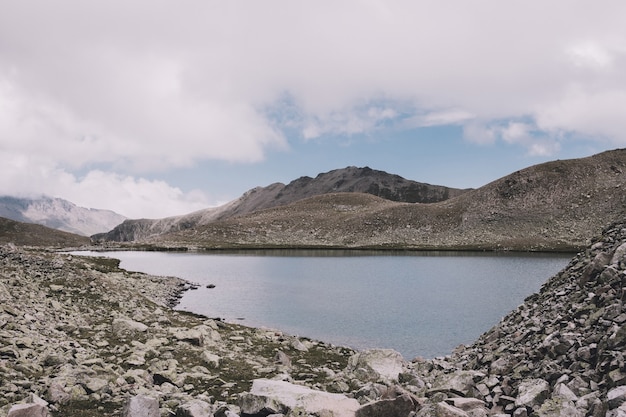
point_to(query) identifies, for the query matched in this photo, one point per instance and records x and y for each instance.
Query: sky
(155, 108)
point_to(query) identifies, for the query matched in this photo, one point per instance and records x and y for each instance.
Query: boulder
(618, 412)
(195, 408)
(193, 336)
(127, 327)
(401, 406)
(141, 406)
(374, 364)
(459, 383)
(619, 254)
(600, 261)
(446, 410)
(211, 359)
(616, 397)
(28, 410)
(279, 397)
(532, 393)
(473, 406)
(95, 385)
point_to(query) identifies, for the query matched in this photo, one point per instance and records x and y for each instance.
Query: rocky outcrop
(280, 397)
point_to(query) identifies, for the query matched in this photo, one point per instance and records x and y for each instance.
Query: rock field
(78, 336)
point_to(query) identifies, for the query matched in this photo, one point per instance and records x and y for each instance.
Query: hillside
(59, 214)
(552, 206)
(350, 179)
(27, 234)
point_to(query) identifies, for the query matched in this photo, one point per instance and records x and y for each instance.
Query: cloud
(440, 118)
(134, 197)
(518, 133)
(144, 87)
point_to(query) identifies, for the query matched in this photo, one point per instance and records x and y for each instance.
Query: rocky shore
(78, 336)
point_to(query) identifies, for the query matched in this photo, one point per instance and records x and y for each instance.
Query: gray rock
(446, 410)
(141, 406)
(474, 406)
(298, 345)
(96, 385)
(401, 406)
(619, 254)
(618, 412)
(276, 397)
(195, 408)
(28, 410)
(563, 392)
(557, 407)
(460, 383)
(532, 393)
(193, 336)
(616, 397)
(593, 269)
(373, 364)
(56, 394)
(211, 359)
(282, 358)
(520, 412)
(127, 327)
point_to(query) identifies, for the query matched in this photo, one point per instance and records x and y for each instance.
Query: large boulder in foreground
(279, 397)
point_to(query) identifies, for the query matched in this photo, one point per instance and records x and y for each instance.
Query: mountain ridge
(556, 205)
(349, 179)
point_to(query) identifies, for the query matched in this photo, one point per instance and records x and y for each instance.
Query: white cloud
(131, 196)
(134, 197)
(596, 113)
(145, 86)
(440, 118)
(516, 133)
(595, 56)
(479, 133)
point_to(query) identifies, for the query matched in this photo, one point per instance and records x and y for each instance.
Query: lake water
(420, 304)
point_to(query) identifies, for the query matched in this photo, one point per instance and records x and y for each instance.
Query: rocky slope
(561, 353)
(350, 179)
(84, 336)
(59, 214)
(80, 337)
(552, 206)
(27, 234)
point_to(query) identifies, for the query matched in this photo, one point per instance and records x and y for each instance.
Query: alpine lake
(418, 303)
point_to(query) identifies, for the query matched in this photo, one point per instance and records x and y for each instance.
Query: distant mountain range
(348, 180)
(59, 214)
(558, 205)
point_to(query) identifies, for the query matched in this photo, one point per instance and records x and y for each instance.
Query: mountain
(59, 214)
(350, 179)
(557, 205)
(28, 234)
